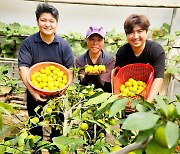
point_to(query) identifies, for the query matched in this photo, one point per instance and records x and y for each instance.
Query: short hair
(135, 19)
(46, 8)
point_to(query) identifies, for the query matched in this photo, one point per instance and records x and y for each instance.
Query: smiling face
(95, 43)
(47, 24)
(137, 38)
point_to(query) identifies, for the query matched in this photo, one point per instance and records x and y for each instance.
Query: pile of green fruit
(132, 87)
(96, 69)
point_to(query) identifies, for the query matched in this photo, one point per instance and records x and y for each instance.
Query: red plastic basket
(137, 71)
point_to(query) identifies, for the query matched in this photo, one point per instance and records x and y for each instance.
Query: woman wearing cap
(95, 55)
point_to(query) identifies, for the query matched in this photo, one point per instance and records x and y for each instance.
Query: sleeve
(68, 58)
(78, 62)
(159, 62)
(120, 58)
(25, 55)
(106, 76)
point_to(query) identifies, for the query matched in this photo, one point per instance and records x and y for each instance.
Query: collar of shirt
(38, 38)
(99, 61)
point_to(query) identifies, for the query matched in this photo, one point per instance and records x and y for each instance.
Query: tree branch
(133, 146)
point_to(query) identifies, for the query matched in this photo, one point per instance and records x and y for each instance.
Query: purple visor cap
(95, 30)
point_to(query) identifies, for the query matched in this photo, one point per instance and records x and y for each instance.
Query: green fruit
(60, 104)
(102, 134)
(76, 112)
(160, 136)
(84, 126)
(85, 118)
(7, 143)
(107, 112)
(131, 152)
(89, 111)
(49, 110)
(35, 120)
(88, 68)
(171, 111)
(53, 106)
(102, 68)
(31, 137)
(100, 120)
(98, 151)
(81, 132)
(115, 148)
(91, 92)
(112, 121)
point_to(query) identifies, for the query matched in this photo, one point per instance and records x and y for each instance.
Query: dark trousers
(31, 105)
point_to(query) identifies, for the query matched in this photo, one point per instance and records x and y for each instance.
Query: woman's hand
(94, 70)
(94, 73)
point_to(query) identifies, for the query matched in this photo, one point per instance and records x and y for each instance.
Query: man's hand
(38, 96)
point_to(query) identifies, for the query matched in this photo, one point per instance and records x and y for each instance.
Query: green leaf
(99, 144)
(99, 99)
(153, 148)
(99, 112)
(68, 128)
(140, 108)
(177, 33)
(14, 26)
(109, 40)
(117, 106)
(3, 130)
(3, 27)
(42, 143)
(108, 49)
(61, 141)
(22, 137)
(42, 123)
(140, 121)
(144, 135)
(165, 27)
(75, 143)
(6, 108)
(109, 100)
(27, 30)
(121, 42)
(104, 149)
(161, 103)
(169, 37)
(172, 134)
(2, 148)
(1, 125)
(178, 108)
(135, 102)
(148, 105)
(172, 69)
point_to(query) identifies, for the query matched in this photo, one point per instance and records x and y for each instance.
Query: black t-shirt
(34, 50)
(152, 54)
